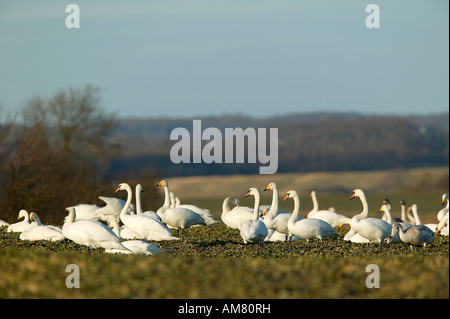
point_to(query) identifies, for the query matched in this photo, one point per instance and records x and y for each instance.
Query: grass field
(213, 262)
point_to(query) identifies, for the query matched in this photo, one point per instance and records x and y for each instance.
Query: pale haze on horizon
(258, 58)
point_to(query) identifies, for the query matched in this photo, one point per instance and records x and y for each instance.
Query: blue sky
(254, 57)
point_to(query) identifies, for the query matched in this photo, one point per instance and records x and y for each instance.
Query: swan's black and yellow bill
(118, 189)
(267, 188)
(159, 184)
(353, 196)
(248, 194)
(286, 197)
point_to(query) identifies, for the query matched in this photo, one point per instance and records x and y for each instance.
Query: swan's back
(182, 218)
(43, 233)
(147, 227)
(92, 233)
(417, 235)
(373, 229)
(331, 217)
(235, 217)
(309, 228)
(254, 231)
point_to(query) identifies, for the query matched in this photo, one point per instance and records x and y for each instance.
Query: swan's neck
(256, 208)
(365, 211)
(403, 212)
(37, 219)
(70, 217)
(315, 202)
(123, 213)
(443, 222)
(166, 197)
(226, 205)
(274, 207)
(296, 210)
(138, 201)
(388, 214)
(416, 216)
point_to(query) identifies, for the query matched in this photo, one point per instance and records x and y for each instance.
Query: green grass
(213, 263)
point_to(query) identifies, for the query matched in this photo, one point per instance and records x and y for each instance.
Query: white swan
(390, 219)
(85, 211)
(386, 209)
(90, 233)
(112, 209)
(42, 232)
(234, 218)
(254, 230)
(139, 210)
(275, 219)
(307, 228)
(442, 212)
(3, 223)
(415, 235)
(177, 217)
(374, 229)
(134, 246)
(146, 227)
(415, 212)
(442, 226)
(330, 216)
(23, 225)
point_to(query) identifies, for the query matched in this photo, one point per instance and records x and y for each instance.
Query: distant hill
(307, 142)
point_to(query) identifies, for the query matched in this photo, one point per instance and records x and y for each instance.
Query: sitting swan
(374, 229)
(90, 233)
(415, 235)
(23, 225)
(254, 230)
(134, 246)
(442, 226)
(145, 227)
(329, 216)
(443, 211)
(42, 232)
(307, 228)
(177, 217)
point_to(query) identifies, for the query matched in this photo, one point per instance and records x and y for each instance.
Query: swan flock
(121, 227)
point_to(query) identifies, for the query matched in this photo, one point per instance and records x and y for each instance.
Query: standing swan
(275, 219)
(254, 230)
(307, 228)
(145, 227)
(177, 217)
(90, 233)
(374, 229)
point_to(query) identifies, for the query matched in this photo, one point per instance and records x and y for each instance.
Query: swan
(254, 230)
(134, 246)
(205, 213)
(330, 216)
(112, 209)
(177, 217)
(139, 210)
(275, 219)
(90, 233)
(23, 225)
(234, 218)
(307, 228)
(386, 209)
(440, 227)
(374, 229)
(85, 211)
(415, 235)
(442, 212)
(42, 232)
(146, 227)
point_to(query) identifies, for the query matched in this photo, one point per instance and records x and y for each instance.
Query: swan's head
(414, 208)
(139, 188)
(290, 194)
(403, 202)
(357, 193)
(33, 217)
(271, 186)
(444, 198)
(252, 191)
(22, 214)
(236, 201)
(122, 187)
(163, 183)
(388, 240)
